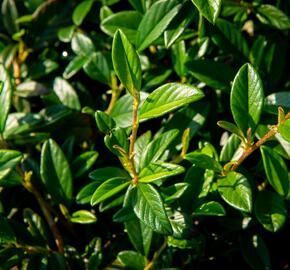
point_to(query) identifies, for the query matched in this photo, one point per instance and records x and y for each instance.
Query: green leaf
(108, 189)
(284, 130)
(124, 214)
(159, 170)
(231, 128)
(211, 208)
(140, 144)
(155, 21)
(82, 44)
(149, 208)
(270, 210)
(126, 63)
(8, 161)
(106, 173)
(11, 179)
(210, 9)
(173, 192)
(5, 96)
(85, 194)
(30, 89)
(65, 34)
(230, 148)
(276, 170)
(204, 161)
(275, 100)
(66, 94)
(247, 98)
(43, 68)
(179, 57)
(157, 147)
(167, 98)
(139, 5)
(81, 11)
(235, 189)
(129, 26)
(55, 172)
(83, 217)
(83, 163)
(117, 137)
(105, 123)
(205, 70)
(98, 68)
(132, 259)
(75, 65)
(9, 16)
(6, 233)
(273, 17)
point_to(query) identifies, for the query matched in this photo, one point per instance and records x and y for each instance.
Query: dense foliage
(144, 134)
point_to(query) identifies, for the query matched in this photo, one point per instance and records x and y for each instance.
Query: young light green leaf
(204, 161)
(284, 130)
(83, 217)
(247, 98)
(231, 128)
(75, 65)
(83, 163)
(5, 96)
(270, 210)
(155, 21)
(236, 191)
(205, 71)
(211, 208)
(126, 63)
(159, 170)
(210, 9)
(55, 172)
(276, 170)
(6, 233)
(108, 189)
(149, 208)
(167, 98)
(8, 161)
(129, 26)
(272, 16)
(65, 34)
(81, 11)
(132, 259)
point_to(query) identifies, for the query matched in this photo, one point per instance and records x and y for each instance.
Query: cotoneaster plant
(144, 134)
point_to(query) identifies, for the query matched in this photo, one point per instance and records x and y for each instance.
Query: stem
(133, 136)
(45, 210)
(29, 249)
(156, 255)
(249, 150)
(116, 92)
(17, 71)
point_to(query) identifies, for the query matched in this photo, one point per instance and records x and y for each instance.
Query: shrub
(144, 134)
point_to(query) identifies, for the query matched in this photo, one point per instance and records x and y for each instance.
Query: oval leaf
(247, 98)
(210, 9)
(83, 217)
(167, 98)
(83, 163)
(210, 209)
(81, 11)
(8, 160)
(126, 63)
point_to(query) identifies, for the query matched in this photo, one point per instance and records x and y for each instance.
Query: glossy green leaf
(106, 173)
(139, 5)
(81, 11)
(270, 210)
(6, 233)
(82, 44)
(126, 63)
(272, 16)
(159, 170)
(43, 68)
(231, 128)
(116, 21)
(105, 123)
(5, 96)
(83, 217)
(108, 189)
(8, 161)
(66, 94)
(132, 259)
(65, 34)
(149, 208)
(124, 214)
(211, 208)
(230, 148)
(210, 9)
(205, 71)
(235, 189)
(167, 98)
(98, 68)
(276, 170)
(85, 194)
(275, 100)
(204, 161)
(75, 65)
(55, 172)
(9, 16)
(156, 148)
(179, 57)
(140, 144)
(105, 12)
(173, 192)
(117, 137)
(155, 21)
(83, 163)
(247, 98)
(11, 179)
(284, 130)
